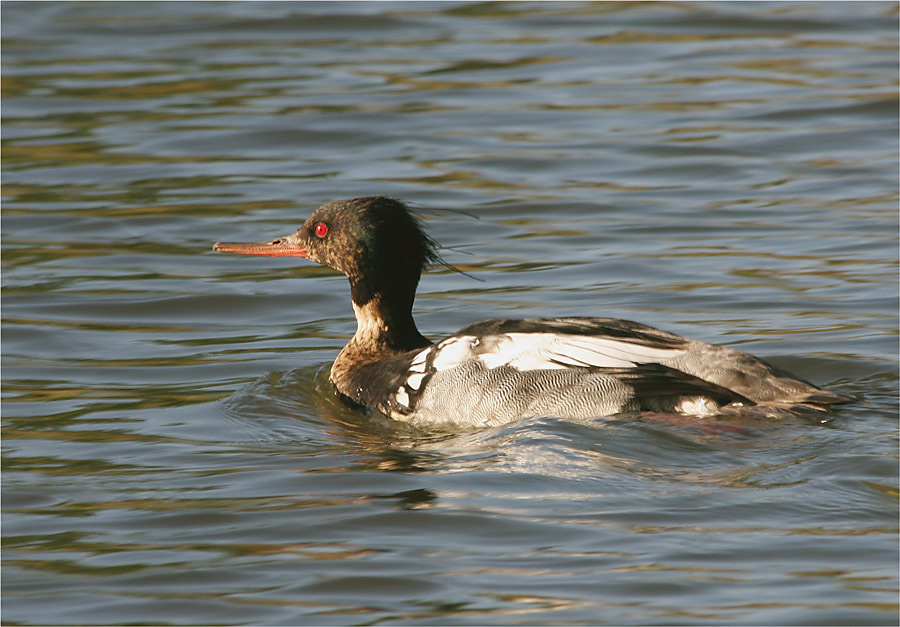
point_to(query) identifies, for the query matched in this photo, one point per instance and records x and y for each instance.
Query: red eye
(321, 229)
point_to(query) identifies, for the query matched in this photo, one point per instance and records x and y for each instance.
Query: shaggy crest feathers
(391, 221)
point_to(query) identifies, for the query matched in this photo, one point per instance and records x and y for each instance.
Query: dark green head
(375, 241)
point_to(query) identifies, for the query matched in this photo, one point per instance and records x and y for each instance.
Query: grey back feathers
(501, 370)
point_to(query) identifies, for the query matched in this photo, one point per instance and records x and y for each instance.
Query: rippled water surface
(173, 452)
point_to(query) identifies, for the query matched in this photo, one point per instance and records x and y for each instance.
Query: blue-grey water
(172, 450)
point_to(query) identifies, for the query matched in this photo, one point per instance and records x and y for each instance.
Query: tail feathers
(825, 397)
(661, 388)
(819, 401)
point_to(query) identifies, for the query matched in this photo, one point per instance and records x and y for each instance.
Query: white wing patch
(587, 351)
(415, 380)
(547, 351)
(402, 397)
(420, 359)
(454, 351)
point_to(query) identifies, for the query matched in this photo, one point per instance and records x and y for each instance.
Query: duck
(498, 371)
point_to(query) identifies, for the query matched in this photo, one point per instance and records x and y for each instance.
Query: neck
(381, 332)
(386, 328)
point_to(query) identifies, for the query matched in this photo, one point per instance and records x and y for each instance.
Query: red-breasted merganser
(496, 371)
